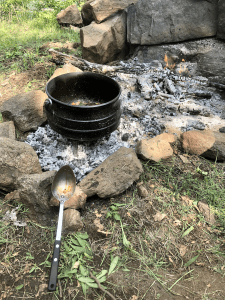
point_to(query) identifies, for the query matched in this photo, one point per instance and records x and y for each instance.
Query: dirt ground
(163, 261)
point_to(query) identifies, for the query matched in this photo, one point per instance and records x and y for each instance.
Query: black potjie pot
(83, 123)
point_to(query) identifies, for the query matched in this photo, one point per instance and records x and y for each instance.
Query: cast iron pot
(83, 122)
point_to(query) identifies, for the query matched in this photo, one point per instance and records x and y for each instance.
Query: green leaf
(113, 264)
(102, 273)
(84, 236)
(32, 269)
(85, 279)
(191, 260)
(125, 241)
(83, 270)
(19, 287)
(82, 242)
(117, 217)
(102, 279)
(187, 231)
(93, 285)
(78, 249)
(108, 215)
(85, 287)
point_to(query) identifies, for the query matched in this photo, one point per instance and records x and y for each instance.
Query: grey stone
(221, 19)
(102, 9)
(34, 191)
(71, 221)
(16, 159)
(7, 129)
(86, 13)
(222, 129)
(26, 110)
(70, 15)
(158, 21)
(102, 43)
(114, 175)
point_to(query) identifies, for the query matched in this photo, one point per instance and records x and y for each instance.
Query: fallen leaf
(183, 250)
(42, 288)
(177, 223)
(209, 285)
(200, 264)
(159, 217)
(76, 265)
(98, 224)
(187, 200)
(184, 159)
(129, 215)
(134, 297)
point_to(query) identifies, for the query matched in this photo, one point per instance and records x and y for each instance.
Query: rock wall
(221, 19)
(158, 21)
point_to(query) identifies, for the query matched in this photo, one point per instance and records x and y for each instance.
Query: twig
(100, 287)
(60, 288)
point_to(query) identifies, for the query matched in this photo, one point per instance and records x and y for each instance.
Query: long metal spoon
(63, 188)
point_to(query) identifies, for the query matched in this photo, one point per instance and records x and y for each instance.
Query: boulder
(102, 9)
(70, 16)
(114, 175)
(67, 68)
(221, 20)
(72, 221)
(156, 148)
(102, 43)
(76, 201)
(16, 159)
(206, 144)
(212, 65)
(86, 13)
(7, 129)
(165, 21)
(25, 110)
(35, 193)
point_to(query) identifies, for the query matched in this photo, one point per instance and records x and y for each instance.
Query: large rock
(114, 175)
(164, 21)
(72, 221)
(26, 110)
(86, 13)
(102, 9)
(221, 19)
(78, 200)
(212, 65)
(35, 192)
(102, 43)
(206, 144)
(70, 16)
(7, 129)
(16, 159)
(156, 148)
(67, 68)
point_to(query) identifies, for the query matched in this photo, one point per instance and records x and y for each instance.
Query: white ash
(151, 98)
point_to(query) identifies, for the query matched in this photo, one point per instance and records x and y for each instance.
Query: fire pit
(83, 106)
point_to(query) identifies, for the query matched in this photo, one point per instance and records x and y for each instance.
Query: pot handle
(48, 104)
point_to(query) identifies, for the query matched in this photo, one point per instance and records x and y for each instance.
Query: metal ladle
(63, 188)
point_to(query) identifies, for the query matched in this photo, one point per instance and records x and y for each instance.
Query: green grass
(206, 185)
(23, 32)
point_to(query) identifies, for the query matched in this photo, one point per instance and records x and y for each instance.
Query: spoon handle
(55, 258)
(54, 267)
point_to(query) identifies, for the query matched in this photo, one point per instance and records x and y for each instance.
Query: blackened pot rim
(84, 106)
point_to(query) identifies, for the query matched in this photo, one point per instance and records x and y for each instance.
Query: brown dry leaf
(184, 159)
(183, 250)
(76, 265)
(42, 288)
(187, 200)
(134, 297)
(98, 224)
(159, 217)
(200, 264)
(105, 232)
(78, 283)
(129, 215)
(152, 186)
(177, 223)
(97, 214)
(209, 285)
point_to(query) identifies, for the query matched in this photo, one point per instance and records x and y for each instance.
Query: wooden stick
(100, 287)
